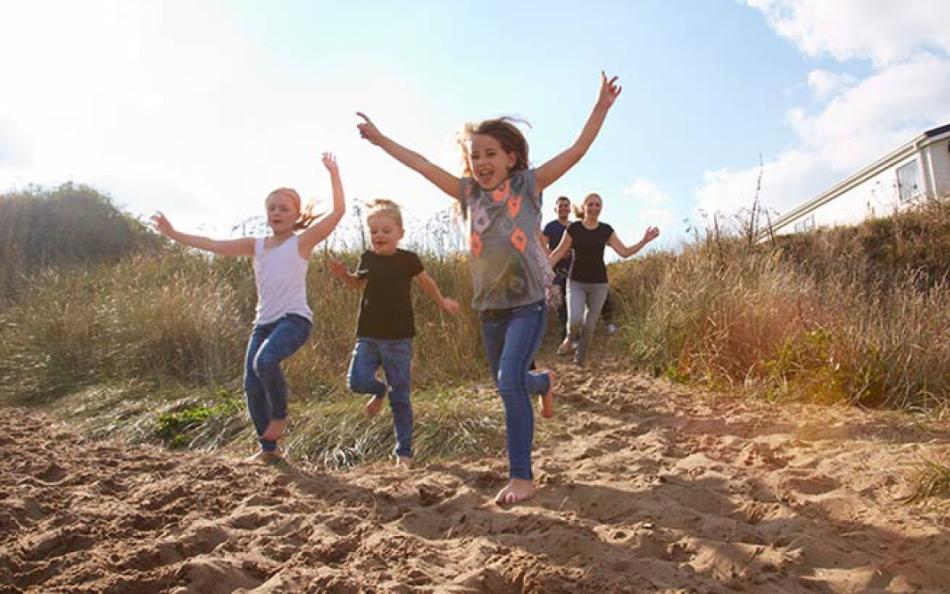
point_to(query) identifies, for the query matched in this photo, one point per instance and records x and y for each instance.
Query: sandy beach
(645, 487)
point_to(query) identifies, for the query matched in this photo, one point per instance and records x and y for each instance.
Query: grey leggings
(584, 302)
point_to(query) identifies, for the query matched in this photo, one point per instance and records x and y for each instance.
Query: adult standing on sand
(552, 233)
(587, 284)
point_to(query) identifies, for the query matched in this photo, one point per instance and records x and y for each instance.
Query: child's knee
(265, 364)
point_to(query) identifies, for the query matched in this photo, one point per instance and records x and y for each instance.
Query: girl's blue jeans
(395, 357)
(264, 383)
(512, 338)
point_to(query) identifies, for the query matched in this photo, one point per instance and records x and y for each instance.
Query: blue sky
(200, 108)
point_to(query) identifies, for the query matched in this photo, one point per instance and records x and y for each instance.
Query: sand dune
(646, 487)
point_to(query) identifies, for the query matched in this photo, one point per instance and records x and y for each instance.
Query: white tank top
(281, 277)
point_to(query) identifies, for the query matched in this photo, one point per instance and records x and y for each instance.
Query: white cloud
(644, 204)
(882, 30)
(861, 120)
(824, 83)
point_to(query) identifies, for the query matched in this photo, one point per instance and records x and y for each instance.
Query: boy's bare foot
(516, 491)
(404, 462)
(374, 405)
(547, 399)
(275, 429)
(264, 457)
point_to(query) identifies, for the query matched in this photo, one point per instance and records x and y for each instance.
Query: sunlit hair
(386, 208)
(503, 130)
(579, 210)
(307, 215)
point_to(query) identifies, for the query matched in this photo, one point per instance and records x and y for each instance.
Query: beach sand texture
(645, 487)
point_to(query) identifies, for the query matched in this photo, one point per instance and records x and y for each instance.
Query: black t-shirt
(386, 306)
(588, 248)
(553, 231)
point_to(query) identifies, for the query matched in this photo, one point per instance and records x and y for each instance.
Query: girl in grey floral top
(500, 198)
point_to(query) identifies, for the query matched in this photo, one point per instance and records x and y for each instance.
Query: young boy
(385, 326)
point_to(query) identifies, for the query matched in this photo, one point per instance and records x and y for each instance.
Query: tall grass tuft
(802, 317)
(71, 225)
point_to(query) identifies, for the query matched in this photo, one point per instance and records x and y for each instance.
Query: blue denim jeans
(264, 383)
(395, 357)
(511, 338)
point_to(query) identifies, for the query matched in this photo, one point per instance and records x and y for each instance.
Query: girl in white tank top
(284, 319)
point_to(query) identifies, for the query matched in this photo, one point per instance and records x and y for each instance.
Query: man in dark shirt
(552, 236)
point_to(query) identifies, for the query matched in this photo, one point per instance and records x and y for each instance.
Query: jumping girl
(500, 197)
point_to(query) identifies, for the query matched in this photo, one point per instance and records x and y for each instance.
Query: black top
(386, 307)
(553, 231)
(588, 248)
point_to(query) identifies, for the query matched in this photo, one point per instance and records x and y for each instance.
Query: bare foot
(547, 399)
(516, 491)
(263, 457)
(275, 429)
(404, 462)
(374, 405)
(566, 347)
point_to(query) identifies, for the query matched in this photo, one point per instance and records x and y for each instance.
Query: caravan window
(806, 224)
(907, 181)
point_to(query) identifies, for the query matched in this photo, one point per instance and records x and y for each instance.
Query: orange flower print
(514, 205)
(502, 192)
(475, 244)
(519, 239)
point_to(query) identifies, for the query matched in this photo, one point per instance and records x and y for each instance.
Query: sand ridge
(645, 487)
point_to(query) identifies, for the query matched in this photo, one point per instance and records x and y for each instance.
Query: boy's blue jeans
(511, 338)
(264, 383)
(395, 357)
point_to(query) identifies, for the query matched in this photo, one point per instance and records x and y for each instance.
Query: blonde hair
(384, 207)
(307, 215)
(579, 210)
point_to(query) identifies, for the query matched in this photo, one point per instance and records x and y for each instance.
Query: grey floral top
(509, 267)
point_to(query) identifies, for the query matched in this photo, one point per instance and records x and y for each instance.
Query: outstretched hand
(450, 305)
(329, 161)
(609, 90)
(650, 234)
(162, 224)
(337, 268)
(368, 129)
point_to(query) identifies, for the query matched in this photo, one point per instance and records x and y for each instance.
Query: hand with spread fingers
(609, 90)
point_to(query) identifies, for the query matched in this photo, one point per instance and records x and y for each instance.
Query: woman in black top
(587, 283)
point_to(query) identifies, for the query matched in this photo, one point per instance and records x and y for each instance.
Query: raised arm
(561, 250)
(551, 171)
(321, 229)
(223, 247)
(626, 251)
(349, 279)
(430, 288)
(442, 179)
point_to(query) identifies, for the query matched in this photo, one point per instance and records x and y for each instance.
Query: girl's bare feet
(404, 462)
(547, 399)
(374, 405)
(516, 491)
(263, 457)
(275, 429)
